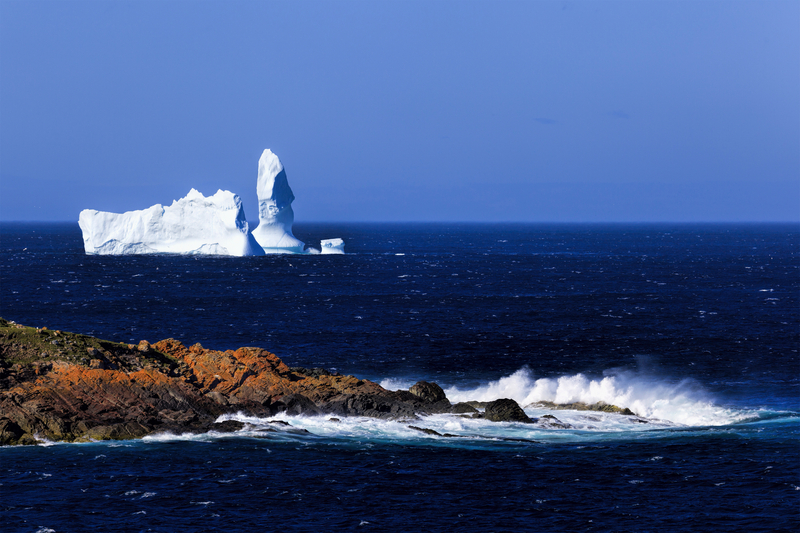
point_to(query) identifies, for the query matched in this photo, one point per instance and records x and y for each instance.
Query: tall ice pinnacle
(275, 215)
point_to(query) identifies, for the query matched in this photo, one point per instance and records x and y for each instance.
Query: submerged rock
(427, 431)
(551, 422)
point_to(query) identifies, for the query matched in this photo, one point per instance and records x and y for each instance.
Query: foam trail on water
(683, 403)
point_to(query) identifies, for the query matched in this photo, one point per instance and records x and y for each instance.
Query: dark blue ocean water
(695, 327)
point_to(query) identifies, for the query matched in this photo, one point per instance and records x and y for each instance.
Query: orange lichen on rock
(79, 387)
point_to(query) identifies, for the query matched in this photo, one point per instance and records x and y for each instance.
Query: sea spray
(684, 402)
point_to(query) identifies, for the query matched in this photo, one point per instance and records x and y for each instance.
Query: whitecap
(684, 402)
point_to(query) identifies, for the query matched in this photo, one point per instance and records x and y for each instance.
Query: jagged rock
(312, 372)
(505, 410)
(60, 392)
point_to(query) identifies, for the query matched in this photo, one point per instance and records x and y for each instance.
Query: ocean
(695, 328)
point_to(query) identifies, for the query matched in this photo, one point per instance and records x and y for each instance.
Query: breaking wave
(684, 402)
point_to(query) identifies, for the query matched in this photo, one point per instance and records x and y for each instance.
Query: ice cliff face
(275, 214)
(194, 224)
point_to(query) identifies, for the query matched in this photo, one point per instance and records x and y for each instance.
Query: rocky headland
(62, 386)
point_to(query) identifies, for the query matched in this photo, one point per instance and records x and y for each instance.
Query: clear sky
(548, 111)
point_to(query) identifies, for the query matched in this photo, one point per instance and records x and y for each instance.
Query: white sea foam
(659, 405)
(684, 402)
(396, 384)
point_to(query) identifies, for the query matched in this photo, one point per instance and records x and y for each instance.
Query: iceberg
(195, 224)
(332, 246)
(275, 214)
(213, 225)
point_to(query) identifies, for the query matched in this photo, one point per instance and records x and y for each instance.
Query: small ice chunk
(332, 246)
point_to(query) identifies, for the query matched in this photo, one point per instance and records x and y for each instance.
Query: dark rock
(374, 406)
(579, 406)
(505, 410)
(129, 430)
(10, 432)
(463, 407)
(426, 431)
(228, 426)
(297, 404)
(551, 422)
(428, 392)
(311, 372)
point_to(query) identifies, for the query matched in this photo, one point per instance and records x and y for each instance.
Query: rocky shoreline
(60, 386)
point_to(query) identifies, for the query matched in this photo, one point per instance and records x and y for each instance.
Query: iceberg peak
(197, 224)
(275, 214)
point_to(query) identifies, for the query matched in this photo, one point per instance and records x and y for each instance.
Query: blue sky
(406, 110)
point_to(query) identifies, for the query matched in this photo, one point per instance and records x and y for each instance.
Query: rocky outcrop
(428, 392)
(65, 386)
(69, 387)
(578, 406)
(505, 410)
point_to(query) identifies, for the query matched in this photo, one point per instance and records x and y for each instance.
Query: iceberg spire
(275, 214)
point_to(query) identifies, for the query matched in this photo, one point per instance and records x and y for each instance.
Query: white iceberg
(332, 246)
(198, 225)
(275, 214)
(194, 224)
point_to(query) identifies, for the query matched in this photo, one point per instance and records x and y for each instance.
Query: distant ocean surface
(696, 328)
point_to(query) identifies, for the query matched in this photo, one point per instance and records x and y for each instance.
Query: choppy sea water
(693, 327)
